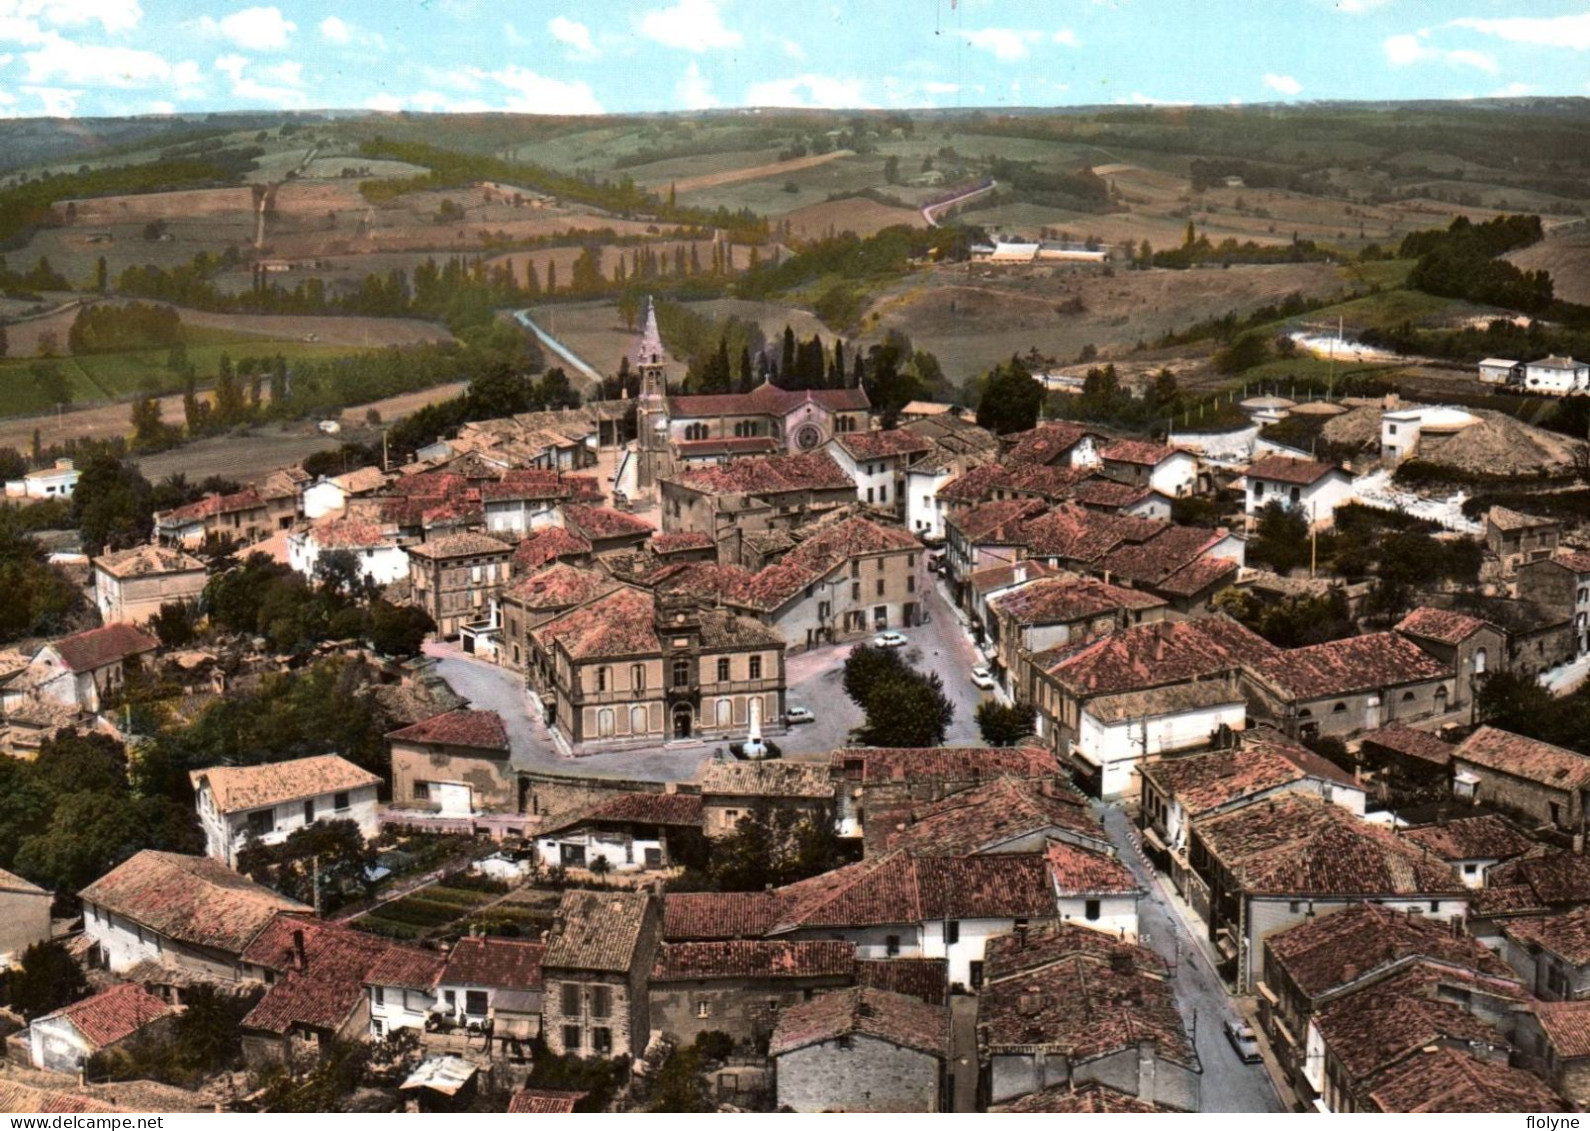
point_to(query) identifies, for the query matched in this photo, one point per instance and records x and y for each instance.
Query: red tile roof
(504, 964)
(192, 899)
(1503, 752)
(89, 651)
(863, 1012)
(548, 544)
(1008, 956)
(1061, 600)
(558, 587)
(597, 930)
(605, 522)
(824, 550)
(719, 915)
(766, 399)
(406, 967)
(1283, 469)
(539, 1101)
(881, 445)
(1076, 871)
(1155, 655)
(347, 534)
(983, 817)
(321, 994)
(766, 779)
(1349, 665)
(1445, 1079)
(770, 475)
(466, 545)
(1045, 443)
(1566, 934)
(620, 623)
(1485, 837)
(681, 541)
(899, 888)
(753, 958)
(1199, 576)
(210, 506)
(148, 561)
(1441, 625)
(236, 788)
(1088, 1099)
(482, 730)
(1137, 451)
(114, 1015)
(1567, 1026)
(1172, 549)
(874, 764)
(1534, 883)
(1505, 519)
(926, 979)
(677, 809)
(1414, 743)
(998, 522)
(1203, 783)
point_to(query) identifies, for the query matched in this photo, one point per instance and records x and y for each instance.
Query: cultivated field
(1567, 257)
(857, 214)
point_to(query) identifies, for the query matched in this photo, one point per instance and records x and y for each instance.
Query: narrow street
(1228, 1084)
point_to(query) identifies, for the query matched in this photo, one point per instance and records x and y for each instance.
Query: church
(679, 432)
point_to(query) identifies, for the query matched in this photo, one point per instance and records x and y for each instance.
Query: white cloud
(1405, 50)
(792, 49)
(808, 91)
(692, 25)
(434, 102)
(1513, 90)
(1004, 43)
(575, 36)
(56, 101)
(1356, 7)
(57, 59)
(1284, 85)
(693, 91)
(941, 87)
(1066, 38)
(333, 30)
(292, 74)
(112, 15)
(533, 93)
(253, 29)
(1138, 98)
(390, 103)
(1541, 31)
(250, 90)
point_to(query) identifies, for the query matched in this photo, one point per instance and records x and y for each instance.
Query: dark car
(1244, 1041)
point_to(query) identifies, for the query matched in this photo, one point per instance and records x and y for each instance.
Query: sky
(117, 57)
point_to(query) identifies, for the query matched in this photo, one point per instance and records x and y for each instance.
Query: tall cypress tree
(786, 367)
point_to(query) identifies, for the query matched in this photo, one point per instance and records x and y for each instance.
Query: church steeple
(647, 357)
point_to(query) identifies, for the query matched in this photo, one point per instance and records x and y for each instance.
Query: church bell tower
(651, 410)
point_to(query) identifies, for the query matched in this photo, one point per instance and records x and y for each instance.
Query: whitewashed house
(1093, 889)
(1501, 371)
(271, 802)
(1402, 428)
(1170, 471)
(131, 585)
(81, 669)
(495, 982)
(401, 987)
(381, 558)
(1557, 375)
(924, 510)
(1116, 733)
(628, 832)
(62, 1041)
(329, 496)
(56, 482)
(1316, 489)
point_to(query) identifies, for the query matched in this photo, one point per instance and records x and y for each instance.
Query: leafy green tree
(1002, 725)
(397, 630)
(38, 597)
(1246, 352)
(1280, 539)
(46, 979)
(909, 709)
(1011, 400)
(679, 1085)
(865, 668)
(335, 851)
(112, 504)
(175, 624)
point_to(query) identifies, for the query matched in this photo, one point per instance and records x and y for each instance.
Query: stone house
(401, 987)
(1561, 583)
(1551, 953)
(1405, 760)
(191, 914)
(1068, 1005)
(1516, 539)
(1556, 1037)
(732, 791)
(131, 585)
(1472, 845)
(24, 916)
(630, 832)
(861, 1050)
(270, 802)
(1138, 463)
(530, 602)
(1546, 783)
(599, 956)
(246, 517)
(455, 578)
(752, 494)
(877, 462)
(1004, 814)
(1053, 612)
(1472, 648)
(454, 765)
(81, 670)
(607, 530)
(741, 986)
(62, 1041)
(889, 780)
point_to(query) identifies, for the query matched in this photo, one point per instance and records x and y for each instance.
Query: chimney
(300, 959)
(1019, 574)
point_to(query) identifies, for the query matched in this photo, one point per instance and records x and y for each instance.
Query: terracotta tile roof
(1447, 1079)
(1154, 655)
(1088, 1099)
(676, 809)
(993, 578)
(1045, 443)
(236, 788)
(211, 506)
(406, 967)
(348, 534)
(863, 1012)
(728, 445)
(1534, 883)
(1174, 549)
(881, 445)
(1329, 951)
(539, 1101)
(766, 779)
(1076, 534)
(1044, 943)
(1061, 600)
(1162, 702)
(753, 958)
(360, 481)
(926, 979)
(983, 817)
(548, 544)
(1349, 665)
(1199, 576)
(192, 899)
(1529, 759)
(766, 399)
(898, 888)
(1296, 844)
(558, 587)
(22, 1099)
(976, 485)
(147, 561)
(818, 554)
(1097, 491)
(1079, 997)
(1203, 783)
(504, 964)
(12, 883)
(466, 545)
(1505, 519)
(605, 522)
(111, 1016)
(719, 915)
(770, 475)
(1567, 1026)
(597, 930)
(999, 522)
(482, 730)
(1486, 837)
(706, 582)
(1076, 871)
(681, 541)
(1283, 469)
(621, 623)
(89, 651)
(1441, 625)
(1139, 452)
(1413, 743)
(540, 483)
(871, 765)
(327, 989)
(1566, 934)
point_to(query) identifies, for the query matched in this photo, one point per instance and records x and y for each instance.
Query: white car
(889, 640)
(799, 715)
(982, 677)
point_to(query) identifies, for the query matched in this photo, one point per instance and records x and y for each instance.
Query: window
(1090, 910)
(723, 671)
(1471, 869)
(601, 679)
(910, 584)
(339, 801)
(681, 673)
(1339, 709)
(844, 1042)
(262, 821)
(869, 494)
(1435, 907)
(637, 677)
(309, 811)
(891, 946)
(571, 1000)
(732, 816)
(422, 791)
(855, 569)
(475, 1003)
(571, 1038)
(756, 667)
(703, 1008)
(378, 994)
(883, 493)
(880, 587)
(910, 561)
(952, 932)
(602, 1041)
(855, 590)
(1480, 660)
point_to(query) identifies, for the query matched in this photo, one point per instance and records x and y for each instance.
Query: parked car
(982, 677)
(1243, 1040)
(889, 640)
(795, 715)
